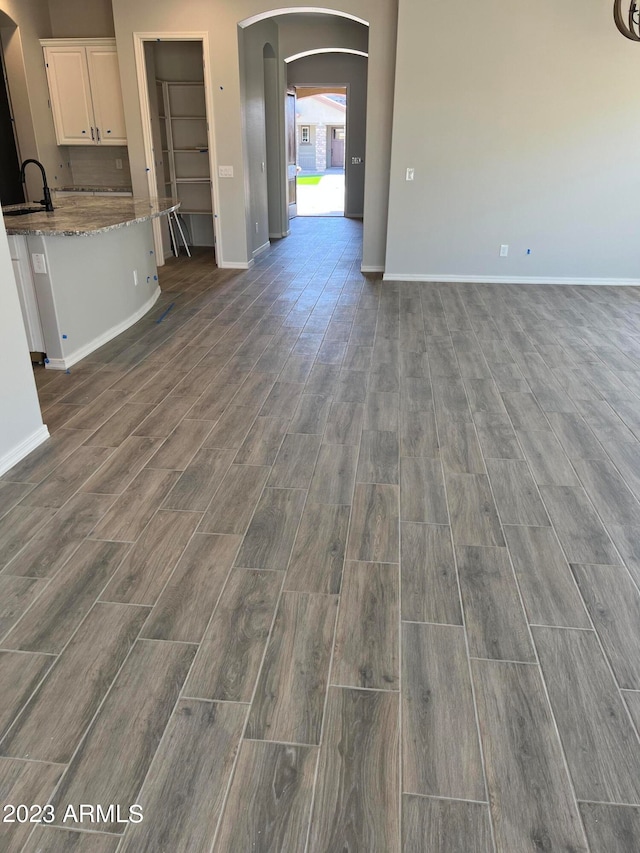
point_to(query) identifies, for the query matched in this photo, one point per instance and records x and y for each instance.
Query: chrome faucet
(46, 201)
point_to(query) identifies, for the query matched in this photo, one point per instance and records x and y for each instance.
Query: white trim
(236, 265)
(74, 42)
(262, 249)
(145, 113)
(365, 268)
(83, 351)
(8, 460)
(325, 50)
(314, 10)
(511, 279)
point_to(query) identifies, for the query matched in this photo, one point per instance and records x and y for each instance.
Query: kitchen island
(85, 271)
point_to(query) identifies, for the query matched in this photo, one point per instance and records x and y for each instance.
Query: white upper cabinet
(84, 87)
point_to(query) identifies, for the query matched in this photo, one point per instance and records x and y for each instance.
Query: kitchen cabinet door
(104, 76)
(70, 92)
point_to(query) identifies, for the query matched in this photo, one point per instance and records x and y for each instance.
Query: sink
(22, 211)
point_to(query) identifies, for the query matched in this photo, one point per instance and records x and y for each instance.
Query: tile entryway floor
(320, 563)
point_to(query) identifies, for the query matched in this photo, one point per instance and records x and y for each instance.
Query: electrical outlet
(263, 165)
(411, 173)
(135, 278)
(504, 250)
(118, 163)
(225, 171)
(256, 227)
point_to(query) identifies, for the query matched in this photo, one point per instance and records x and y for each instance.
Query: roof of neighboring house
(320, 109)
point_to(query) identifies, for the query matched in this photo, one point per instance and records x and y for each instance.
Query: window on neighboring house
(305, 134)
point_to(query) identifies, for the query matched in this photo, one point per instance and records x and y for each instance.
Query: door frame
(139, 40)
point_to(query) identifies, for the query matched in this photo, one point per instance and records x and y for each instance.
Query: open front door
(292, 167)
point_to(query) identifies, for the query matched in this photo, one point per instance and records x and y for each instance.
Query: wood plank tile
(269, 539)
(295, 462)
(459, 448)
(232, 428)
(440, 748)
(228, 661)
(547, 459)
(416, 395)
(17, 594)
(318, 554)
(418, 435)
(290, 695)
(615, 829)
(575, 436)
(450, 400)
(344, 423)
(20, 675)
(55, 541)
(55, 719)
(374, 535)
(335, 474)
(524, 411)
(496, 436)
(179, 449)
(187, 602)
(351, 386)
(381, 411)
(200, 480)
(52, 620)
(196, 754)
(379, 457)
(627, 541)
(613, 601)
(120, 425)
(114, 757)
(311, 415)
(233, 505)
(165, 417)
(24, 782)
(516, 724)
(146, 568)
(515, 493)
(11, 494)
(45, 458)
(366, 652)
(602, 752)
(56, 489)
(495, 620)
(215, 399)
(263, 441)
(608, 492)
(445, 826)
(356, 802)
(113, 477)
(282, 400)
(579, 529)
(51, 840)
(422, 494)
(474, 519)
(133, 510)
(548, 590)
(428, 576)
(270, 798)
(483, 395)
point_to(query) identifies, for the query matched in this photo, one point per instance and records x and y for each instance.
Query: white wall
(523, 126)
(220, 19)
(338, 69)
(81, 18)
(21, 427)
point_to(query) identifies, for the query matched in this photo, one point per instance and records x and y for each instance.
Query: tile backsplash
(96, 166)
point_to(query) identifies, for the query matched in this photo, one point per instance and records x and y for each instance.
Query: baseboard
(367, 268)
(262, 249)
(8, 460)
(278, 235)
(83, 351)
(236, 265)
(510, 279)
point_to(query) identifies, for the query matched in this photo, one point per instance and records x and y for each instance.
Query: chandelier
(627, 22)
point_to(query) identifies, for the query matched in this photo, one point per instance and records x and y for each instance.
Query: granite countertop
(89, 189)
(75, 216)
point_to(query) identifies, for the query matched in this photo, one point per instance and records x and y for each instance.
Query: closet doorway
(178, 137)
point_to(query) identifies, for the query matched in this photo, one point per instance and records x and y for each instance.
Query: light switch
(39, 263)
(411, 173)
(225, 171)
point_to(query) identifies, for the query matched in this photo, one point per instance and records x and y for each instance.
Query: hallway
(316, 563)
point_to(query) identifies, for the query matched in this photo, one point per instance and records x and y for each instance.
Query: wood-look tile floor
(316, 563)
